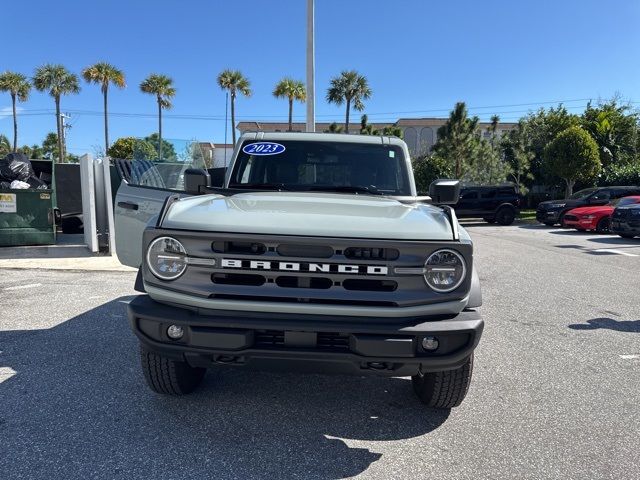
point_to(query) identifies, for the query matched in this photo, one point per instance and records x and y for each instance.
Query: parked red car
(596, 218)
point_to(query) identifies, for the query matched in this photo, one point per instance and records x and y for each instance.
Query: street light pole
(311, 67)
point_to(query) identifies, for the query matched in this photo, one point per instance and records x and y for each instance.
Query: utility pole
(226, 109)
(63, 117)
(311, 68)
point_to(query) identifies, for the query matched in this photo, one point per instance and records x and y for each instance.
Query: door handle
(128, 205)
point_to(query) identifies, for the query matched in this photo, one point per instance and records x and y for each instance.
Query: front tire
(167, 376)
(444, 389)
(505, 216)
(603, 225)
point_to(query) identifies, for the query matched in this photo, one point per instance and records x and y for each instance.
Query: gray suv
(315, 255)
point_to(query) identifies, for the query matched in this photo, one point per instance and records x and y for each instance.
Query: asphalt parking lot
(555, 391)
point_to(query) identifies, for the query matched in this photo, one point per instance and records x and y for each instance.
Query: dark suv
(552, 212)
(494, 204)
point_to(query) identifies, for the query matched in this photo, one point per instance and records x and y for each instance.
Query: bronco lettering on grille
(303, 267)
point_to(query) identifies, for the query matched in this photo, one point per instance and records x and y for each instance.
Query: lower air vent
(238, 279)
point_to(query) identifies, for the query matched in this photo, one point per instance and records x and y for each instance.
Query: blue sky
(420, 56)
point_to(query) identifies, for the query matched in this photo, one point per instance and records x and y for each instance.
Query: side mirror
(195, 179)
(445, 192)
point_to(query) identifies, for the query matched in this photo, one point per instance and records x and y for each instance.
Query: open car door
(144, 187)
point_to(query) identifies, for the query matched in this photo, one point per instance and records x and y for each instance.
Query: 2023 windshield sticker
(263, 148)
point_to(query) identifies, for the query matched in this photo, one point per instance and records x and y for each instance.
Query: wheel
(549, 224)
(626, 235)
(167, 376)
(561, 221)
(444, 389)
(489, 219)
(603, 225)
(505, 216)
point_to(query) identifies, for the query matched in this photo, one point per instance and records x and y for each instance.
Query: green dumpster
(27, 216)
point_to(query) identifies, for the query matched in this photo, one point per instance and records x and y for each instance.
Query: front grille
(570, 217)
(620, 213)
(312, 270)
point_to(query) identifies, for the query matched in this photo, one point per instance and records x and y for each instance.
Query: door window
(469, 195)
(146, 167)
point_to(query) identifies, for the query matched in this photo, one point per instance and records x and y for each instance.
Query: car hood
(568, 203)
(311, 214)
(603, 210)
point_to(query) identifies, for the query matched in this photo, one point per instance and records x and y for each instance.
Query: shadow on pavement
(609, 324)
(77, 407)
(619, 241)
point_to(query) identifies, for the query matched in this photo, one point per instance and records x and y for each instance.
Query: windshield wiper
(371, 190)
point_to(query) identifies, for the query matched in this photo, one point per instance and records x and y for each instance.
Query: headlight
(635, 213)
(444, 270)
(589, 217)
(557, 205)
(166, 258)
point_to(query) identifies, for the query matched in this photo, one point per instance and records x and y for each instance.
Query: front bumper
(625, 226)
(306, 342)
(580, 223)
(546, 216)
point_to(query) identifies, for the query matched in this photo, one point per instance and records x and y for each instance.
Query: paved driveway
(555, 391)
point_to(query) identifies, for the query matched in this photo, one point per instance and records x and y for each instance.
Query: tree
(168, 150)
(615, 129)
(291, 90)
(131, 148)
(34, 152)
(51, 146)
(427, 168)
(18, 87)
(334, 128)
(5, 146)
(457, 139)
(104, 74)
(350, 88)
(543, 127)
(58, 81)
(486, 166)
(573, 155)
(162, 87)
(234, 82)
(517, 152)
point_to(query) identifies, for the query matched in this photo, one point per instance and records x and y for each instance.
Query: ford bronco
(316, 254)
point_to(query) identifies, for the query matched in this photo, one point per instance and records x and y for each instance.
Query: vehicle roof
(323, 137)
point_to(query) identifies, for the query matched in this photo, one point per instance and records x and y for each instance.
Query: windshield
(582, 193)
(321, 166)
(621, 202)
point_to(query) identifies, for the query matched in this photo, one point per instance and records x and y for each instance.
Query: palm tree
(19, 87)
(233, 81)
(292, 90)
(350, 88)
(162, 87)
(104, 74)
(58, 81)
